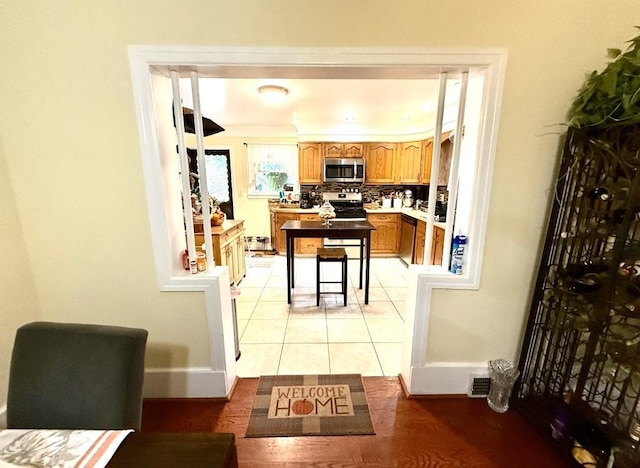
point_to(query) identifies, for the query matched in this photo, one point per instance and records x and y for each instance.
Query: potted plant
(612, 96)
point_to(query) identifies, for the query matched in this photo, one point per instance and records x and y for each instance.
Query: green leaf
(609, 83)
(612, 95)
(613, 53)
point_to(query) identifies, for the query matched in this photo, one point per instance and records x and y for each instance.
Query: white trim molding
(198, 382)
(151, 64)
(3, 417)
(445, 378)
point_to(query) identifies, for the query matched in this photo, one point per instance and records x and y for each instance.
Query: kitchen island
(338, 230)
(228, 247)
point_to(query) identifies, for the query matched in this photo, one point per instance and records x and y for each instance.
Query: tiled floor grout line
(353, 281)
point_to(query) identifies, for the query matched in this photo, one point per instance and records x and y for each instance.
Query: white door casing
(150, 67)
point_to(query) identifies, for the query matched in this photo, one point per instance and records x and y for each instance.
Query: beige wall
(19, 303)
(68, 129)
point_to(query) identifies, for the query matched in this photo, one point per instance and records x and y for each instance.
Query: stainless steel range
(348, 207)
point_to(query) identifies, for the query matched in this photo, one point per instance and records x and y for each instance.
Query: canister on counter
(201, 259)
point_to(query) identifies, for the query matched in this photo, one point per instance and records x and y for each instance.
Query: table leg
(289, 269)
(366, 284)
(292, 246)
(361, 256)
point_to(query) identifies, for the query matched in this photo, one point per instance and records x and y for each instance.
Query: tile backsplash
(375, 192)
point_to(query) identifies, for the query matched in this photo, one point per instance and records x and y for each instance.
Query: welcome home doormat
(299, 405)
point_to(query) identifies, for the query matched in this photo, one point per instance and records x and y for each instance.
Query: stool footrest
(324, 254)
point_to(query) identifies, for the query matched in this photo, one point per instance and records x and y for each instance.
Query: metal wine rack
(580, 360)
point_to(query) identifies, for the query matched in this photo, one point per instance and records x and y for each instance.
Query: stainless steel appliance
(407, 238)
(407, 199)
(348, 206)
(343, 170)
(305, 201)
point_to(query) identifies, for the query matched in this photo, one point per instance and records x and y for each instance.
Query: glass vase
(327, 213)
(503, 375)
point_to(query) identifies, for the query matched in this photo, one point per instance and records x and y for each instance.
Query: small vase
(503, 375)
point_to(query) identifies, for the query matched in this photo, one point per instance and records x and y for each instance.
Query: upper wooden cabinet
(379, 161)
(343, 150)
(386, 163)
(408, 163)
(446, 152)
(427, 153)
(310, 163)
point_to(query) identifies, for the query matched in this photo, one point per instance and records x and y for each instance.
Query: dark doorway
(219, 185)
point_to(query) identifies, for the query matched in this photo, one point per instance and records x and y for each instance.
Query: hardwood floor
(430, 432)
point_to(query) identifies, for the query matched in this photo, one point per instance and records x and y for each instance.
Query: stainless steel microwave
(343, 170)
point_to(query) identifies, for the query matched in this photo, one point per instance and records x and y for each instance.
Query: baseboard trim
(194, 382)
(443, 378)
(3, 417)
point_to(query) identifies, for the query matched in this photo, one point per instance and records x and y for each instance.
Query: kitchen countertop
(417, 214)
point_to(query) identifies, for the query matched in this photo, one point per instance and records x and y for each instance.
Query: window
(270, 166)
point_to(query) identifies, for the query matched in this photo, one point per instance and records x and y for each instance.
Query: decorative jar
(327, 213)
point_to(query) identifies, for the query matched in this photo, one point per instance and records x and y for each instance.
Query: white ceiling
(324, 109)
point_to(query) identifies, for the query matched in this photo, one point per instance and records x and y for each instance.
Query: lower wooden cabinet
(310, 245)
(386, 238)
(228, 247)
(437, 244)
(418, 245)
(278, 237)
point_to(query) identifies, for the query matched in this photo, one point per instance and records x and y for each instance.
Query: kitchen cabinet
(308, 245)
(408, 163)
(379, 162)
(232, 255)
(228, 247)
(437, 244)
(386, 163)
(343, 150)
(386, 238)
(418, 247)
(446, 153)
(310, 163)
(427, 154)
(278, 237)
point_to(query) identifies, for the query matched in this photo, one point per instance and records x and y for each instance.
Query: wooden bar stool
(331, 255)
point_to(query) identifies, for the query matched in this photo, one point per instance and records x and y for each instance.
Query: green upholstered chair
(76, 376)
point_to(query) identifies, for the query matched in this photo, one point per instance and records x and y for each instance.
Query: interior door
(219, 179)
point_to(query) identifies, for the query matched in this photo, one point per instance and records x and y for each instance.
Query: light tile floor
(302, 338)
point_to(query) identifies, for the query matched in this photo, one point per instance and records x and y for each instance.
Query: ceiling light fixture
(273, 93)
